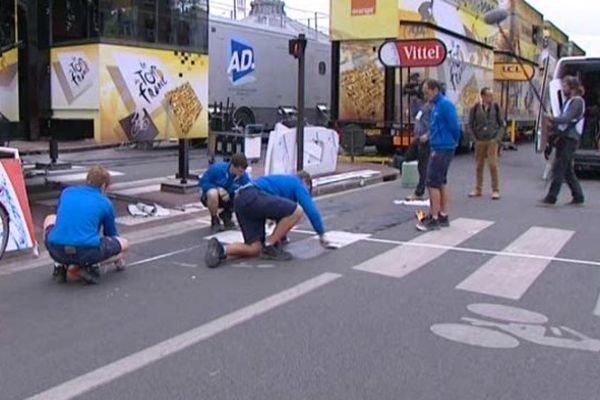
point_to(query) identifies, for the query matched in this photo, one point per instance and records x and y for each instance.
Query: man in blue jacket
(72, 236)
(281, 198)
(218, 185)
(444, 138)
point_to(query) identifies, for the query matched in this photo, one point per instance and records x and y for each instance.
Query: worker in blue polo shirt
(72, 236)
(281, 198)
(218, 185)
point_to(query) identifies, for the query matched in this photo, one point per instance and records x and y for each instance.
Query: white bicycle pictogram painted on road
(516, 323)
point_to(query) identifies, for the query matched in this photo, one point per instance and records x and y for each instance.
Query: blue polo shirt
(444, 131)
(82, 212)
(292, 188)
(218, 176)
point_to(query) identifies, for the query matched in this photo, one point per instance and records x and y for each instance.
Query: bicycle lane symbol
(510, 325)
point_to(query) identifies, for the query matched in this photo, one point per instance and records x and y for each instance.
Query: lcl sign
(413, 53)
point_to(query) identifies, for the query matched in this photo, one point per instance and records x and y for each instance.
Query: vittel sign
(413, 53)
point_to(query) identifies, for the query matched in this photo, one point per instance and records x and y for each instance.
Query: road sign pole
(300, 126)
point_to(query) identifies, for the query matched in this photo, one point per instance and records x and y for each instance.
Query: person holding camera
(419, 148)
(566, 131)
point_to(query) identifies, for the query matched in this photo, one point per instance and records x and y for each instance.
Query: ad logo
(363, 7)
(241, 64)
(75, 73)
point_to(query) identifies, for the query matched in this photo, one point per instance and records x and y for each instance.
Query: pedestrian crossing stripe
(510, 277)
(405, 259)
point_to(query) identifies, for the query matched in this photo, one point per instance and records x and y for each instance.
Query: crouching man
(218, 185)
(72, 236)
(281, 198)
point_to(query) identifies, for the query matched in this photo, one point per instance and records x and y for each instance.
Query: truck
(587, 69)
(250, 66)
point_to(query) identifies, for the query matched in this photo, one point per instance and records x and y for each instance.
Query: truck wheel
(244, 116)
(359, 139)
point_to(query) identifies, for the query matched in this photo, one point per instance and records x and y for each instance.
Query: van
(587, 69)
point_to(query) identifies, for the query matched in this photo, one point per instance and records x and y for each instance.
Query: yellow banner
(149, 94)
(362, 81)
(513, 72)
(363, 19)
(9, 85)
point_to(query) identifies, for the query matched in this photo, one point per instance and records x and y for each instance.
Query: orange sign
(364, 7)
(513, 72)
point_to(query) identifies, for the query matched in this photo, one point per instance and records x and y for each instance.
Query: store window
(7, 23)
(178, 23)
(74, 20)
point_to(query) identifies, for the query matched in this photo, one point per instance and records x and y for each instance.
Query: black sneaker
(215, 253)
(546, 202)
(227, 219)
(90, 274)
(275, 253)
(444, 221)
(59, 273)
(576, 202)
(215, 225)
(428, 224)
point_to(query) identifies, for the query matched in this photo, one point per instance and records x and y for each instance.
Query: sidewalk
(187, 206)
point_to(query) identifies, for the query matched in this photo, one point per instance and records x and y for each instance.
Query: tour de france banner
(149, 94)
(75, 78)
(380, 19)
(9, 86)
(13, 196)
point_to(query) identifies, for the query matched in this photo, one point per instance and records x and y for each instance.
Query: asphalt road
(501, 305)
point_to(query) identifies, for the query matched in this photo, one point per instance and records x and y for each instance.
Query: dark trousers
(420, 152)
(563, 171)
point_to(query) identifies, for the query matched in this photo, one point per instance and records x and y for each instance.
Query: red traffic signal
(297, 46)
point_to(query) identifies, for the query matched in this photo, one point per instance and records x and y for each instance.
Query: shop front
(114, 70)
(381, 97)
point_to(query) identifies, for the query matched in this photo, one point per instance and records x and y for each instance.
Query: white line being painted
(165, 255)
(402, 260)
(108, 373)
(510, 277)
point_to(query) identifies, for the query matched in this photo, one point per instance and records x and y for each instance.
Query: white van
(587, 69)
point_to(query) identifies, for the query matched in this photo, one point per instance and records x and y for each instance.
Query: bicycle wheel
(3, 230)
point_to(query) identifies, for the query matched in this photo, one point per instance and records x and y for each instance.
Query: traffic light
(297, 46)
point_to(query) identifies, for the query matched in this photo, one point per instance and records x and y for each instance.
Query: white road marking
(511, 277)
(108, 373)
(597, 309)
(165, 255)
(402, 260)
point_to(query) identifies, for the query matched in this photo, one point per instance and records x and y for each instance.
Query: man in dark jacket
(567, 129)
(487, 126)
(419, 148)
(444, 137)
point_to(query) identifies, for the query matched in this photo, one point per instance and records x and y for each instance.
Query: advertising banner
(149, 94)
(363, 19)
(13, 197)
(413, 53)
(362, 81)
(9, 86)
(513, 72)
(75, 77)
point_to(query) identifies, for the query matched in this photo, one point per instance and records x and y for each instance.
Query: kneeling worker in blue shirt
(280, 198)
(218, 185)
(72, 236)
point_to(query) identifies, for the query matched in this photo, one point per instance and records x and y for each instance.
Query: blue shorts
(254, 207)
(83, 256)
(437, 169)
